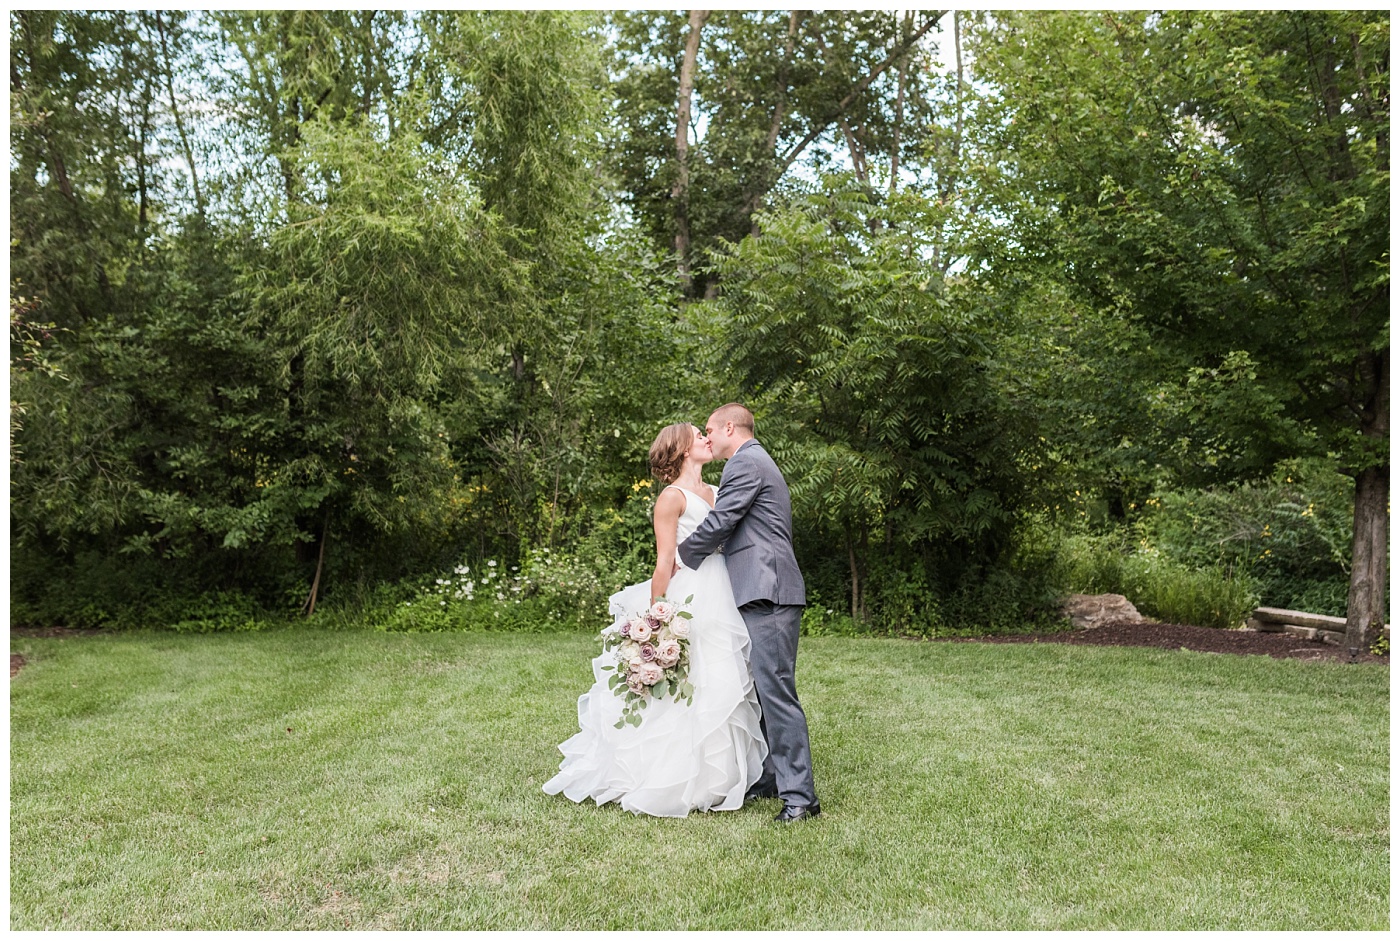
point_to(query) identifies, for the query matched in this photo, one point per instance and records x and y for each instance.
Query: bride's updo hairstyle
(668, 451)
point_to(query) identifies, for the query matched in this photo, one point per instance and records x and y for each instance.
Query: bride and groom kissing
(743, 734)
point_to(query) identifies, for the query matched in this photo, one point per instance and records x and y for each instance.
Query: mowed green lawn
(322, 780)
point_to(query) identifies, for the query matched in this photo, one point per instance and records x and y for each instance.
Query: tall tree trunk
(857, 602)
(820, 126)
(179, 121)
(853, 142)
(905, 26)
(758, 183)
(310, 606)
(1366, 608)
(948, 172)
(143, 183)
(680, 190)
(857, 150)
(957, 52)
(367, 62)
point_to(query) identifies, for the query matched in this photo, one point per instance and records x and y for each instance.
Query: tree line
(302, 300)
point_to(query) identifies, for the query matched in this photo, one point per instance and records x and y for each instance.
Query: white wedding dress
(701, 756)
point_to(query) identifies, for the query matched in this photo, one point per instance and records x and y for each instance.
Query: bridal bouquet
(653, 657)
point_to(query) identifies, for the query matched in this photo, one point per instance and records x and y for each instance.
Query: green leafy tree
(1214, 190)
(878, 383)
(774, 90)
(83, 192)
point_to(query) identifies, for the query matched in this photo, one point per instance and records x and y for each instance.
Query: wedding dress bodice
(696, 509)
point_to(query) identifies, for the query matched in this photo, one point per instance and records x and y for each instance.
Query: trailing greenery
(302, 779)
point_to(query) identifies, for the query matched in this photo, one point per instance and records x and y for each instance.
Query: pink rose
(635, 684)
(640, 630)
(650, 673)
(668, 653)
(635, 625)
(663, 611)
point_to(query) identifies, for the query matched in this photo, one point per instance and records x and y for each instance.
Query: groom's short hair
(738, 414)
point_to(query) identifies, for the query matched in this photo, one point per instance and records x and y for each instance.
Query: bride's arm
(669, 507)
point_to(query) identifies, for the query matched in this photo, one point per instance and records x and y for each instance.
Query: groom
(752, 523)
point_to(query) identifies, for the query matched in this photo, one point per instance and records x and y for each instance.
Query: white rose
(680, 627)
(628, 650)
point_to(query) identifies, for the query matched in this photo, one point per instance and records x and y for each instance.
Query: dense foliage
(325, 311)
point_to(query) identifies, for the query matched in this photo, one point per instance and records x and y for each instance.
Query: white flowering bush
(543, 591)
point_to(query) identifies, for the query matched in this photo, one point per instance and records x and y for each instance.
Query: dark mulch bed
(1179, 636)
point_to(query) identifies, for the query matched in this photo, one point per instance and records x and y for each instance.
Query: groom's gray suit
(752, 521)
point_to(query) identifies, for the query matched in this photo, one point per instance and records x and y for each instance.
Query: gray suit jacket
(752, 519)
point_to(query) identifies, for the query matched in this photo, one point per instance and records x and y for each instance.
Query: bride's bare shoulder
(670, 503)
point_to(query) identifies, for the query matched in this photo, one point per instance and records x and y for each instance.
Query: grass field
(317, 780)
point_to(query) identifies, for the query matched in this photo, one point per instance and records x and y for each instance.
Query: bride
(699, 756)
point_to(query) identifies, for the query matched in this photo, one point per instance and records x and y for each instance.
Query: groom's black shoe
(794, 812)
(759, 793)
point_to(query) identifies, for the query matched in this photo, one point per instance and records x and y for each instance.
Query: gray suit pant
(773, 632)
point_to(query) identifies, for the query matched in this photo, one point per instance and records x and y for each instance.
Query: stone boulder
(1094, 610)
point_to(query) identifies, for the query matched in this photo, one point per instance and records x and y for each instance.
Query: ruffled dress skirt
(701, 756)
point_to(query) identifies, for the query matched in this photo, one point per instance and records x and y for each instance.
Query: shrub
(821, 621)
(546, 591)
(125, 592)
(206, 613)
(901, 601)
(1156, 585)
(1326, 597)
(1290, 534)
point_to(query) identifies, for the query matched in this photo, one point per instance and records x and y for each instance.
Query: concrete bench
(1323, 627)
